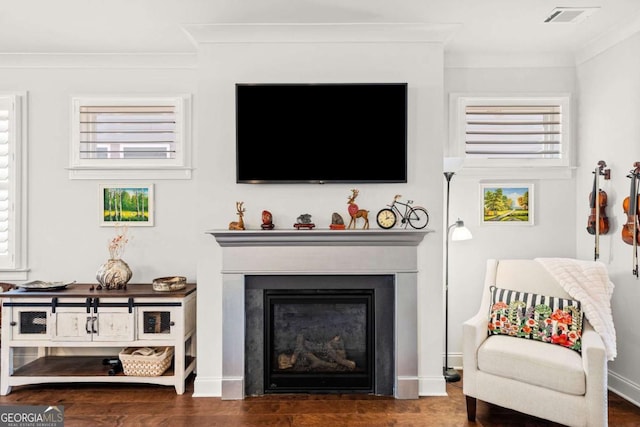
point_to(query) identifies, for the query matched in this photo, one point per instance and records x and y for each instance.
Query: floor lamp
(460, 232)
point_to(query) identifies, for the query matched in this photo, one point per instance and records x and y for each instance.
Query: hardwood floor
(147, 405)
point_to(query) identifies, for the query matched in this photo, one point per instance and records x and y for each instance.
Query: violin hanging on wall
(598, 223)
(630, 232)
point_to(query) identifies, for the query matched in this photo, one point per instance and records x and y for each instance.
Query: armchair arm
(594, 361)
(474, 332)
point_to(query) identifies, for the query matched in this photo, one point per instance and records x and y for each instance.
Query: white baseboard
(624, 388)
(455, 361)
(207, 387)
(432, 386)
(436, 386)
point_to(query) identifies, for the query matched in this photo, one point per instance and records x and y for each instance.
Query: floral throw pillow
(531, 316)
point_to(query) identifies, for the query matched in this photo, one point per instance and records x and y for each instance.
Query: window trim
(178, 168)
(526, 168)
(18, 186)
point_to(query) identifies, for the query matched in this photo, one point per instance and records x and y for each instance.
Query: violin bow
(596, 193)
(600, 171)
(635, 173)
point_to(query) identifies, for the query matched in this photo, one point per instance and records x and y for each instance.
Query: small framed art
(506, 203)
(122, 204)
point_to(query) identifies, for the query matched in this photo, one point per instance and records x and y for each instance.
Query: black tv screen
(321, 133)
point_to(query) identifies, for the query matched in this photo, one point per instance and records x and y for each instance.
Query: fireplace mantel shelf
(319, 237)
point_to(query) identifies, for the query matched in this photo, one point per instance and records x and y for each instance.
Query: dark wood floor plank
(150, 405)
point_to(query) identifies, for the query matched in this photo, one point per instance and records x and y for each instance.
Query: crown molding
(608, 40)
(320, 33)
(98, 60)
(508, 60)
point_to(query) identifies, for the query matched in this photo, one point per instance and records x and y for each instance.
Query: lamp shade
(460, 232)
(452, 164)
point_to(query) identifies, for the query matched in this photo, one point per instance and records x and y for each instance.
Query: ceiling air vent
(570, 15)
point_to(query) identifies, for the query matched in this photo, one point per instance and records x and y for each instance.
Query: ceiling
(157, 26)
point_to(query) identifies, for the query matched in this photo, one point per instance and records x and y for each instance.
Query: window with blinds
(149, 137)
(12, 164)
(493, 132)
(514, 131)
(128, 132)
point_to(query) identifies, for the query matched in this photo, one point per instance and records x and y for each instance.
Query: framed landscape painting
(130, 205)
(506, 203)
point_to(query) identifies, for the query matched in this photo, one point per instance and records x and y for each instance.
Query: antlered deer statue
(355, 212)
(238, 225)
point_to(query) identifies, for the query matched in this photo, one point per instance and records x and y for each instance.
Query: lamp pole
(450, 375)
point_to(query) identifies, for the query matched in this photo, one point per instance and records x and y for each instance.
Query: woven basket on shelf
(146, 361)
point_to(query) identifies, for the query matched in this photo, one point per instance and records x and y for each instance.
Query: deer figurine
(355, 212)
(238, 225)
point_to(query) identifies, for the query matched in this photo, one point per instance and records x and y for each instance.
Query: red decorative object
(267, 221)
(355, 212)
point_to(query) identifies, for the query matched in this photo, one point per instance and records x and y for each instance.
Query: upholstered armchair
(543, 379)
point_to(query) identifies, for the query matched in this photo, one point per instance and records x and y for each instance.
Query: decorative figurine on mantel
(238, 225)
(304, 221)
(337, 223)
(267, 221)
(355, 212)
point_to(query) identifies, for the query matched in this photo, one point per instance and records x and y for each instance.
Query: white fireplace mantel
(314, 237)
(320, 252)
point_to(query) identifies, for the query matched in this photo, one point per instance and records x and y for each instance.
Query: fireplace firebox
(319, 334)
(319, 341)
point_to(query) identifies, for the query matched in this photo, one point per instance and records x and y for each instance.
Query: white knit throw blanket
(588, 282)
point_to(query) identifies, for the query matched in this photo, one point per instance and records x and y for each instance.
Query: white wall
(220, 67)
(610, 130)
(65, 241)
(554, 231)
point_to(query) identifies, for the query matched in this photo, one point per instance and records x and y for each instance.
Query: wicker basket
(146, 361)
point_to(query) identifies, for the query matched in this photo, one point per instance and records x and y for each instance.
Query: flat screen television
(321, 133)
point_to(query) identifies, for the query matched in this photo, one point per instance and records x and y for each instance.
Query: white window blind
(12, 164)
(5, 227)
(520, 135)
(128, 132)
(144, 137)
(514, 131)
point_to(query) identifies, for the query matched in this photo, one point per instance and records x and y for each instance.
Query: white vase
(114, 274)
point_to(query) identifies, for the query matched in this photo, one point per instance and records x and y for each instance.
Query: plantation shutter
(5, 184)
(513, 131)
(128, 132)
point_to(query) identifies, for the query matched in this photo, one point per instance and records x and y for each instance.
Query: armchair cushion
(533, 362)
(536, 317)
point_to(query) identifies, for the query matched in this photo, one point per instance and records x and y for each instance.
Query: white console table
(78, 317)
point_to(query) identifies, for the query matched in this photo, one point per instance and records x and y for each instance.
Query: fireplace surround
(317, 253)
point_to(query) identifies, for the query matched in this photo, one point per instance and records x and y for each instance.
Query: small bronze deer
(238, 225)
(355, 212)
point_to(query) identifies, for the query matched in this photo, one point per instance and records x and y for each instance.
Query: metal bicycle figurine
(415, 216)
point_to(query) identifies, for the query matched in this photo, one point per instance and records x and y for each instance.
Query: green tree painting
(502, 204)
(124, 204)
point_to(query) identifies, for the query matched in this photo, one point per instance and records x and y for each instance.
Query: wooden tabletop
(84, 290)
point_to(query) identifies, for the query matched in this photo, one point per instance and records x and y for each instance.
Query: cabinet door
(30, 323)
(157, 323)
(73, 324)
(105, 324)
(114, 324)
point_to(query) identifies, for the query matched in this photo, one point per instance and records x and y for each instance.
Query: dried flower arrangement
(118, 243)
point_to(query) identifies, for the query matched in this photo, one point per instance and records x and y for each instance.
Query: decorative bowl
(170, 283)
